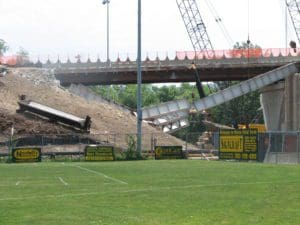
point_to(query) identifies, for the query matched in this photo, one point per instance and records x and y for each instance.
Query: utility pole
(106, 2)
(139, 82)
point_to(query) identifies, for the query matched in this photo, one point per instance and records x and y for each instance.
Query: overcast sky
(70, 27)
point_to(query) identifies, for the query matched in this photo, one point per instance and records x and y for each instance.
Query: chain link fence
(273, 147)
(279, 147)
(71, 146)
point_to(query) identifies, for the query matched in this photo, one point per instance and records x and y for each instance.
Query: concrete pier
(272, 101)
(292, 103)
(281, 105)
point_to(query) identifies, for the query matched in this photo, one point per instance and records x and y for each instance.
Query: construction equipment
(197, 32)
(294, 10)
(54, 114)
(194, 25)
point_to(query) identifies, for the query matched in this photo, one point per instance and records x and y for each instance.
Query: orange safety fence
(14, 60)
(10, 60)
(238, 53)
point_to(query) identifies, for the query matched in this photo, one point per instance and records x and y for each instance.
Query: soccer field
(149, 192)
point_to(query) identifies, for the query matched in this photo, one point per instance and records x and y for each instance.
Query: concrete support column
(281, 105)
(289, 107)
(272, 102)
(292, 106)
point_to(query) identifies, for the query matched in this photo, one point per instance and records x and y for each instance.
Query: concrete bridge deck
(240, 65)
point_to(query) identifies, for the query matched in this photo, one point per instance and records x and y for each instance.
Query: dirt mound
(109, 123)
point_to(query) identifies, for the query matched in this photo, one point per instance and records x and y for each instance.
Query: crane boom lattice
(194, 25)
(294, 10)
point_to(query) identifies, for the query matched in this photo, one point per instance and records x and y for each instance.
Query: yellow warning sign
(238, 144)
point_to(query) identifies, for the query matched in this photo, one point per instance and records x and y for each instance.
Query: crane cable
(248, 40)
(219, 22)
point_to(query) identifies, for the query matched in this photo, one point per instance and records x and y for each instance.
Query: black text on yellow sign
(168, 152)
(238, 144)
(232, 143)
(99, 153)
(26, 155)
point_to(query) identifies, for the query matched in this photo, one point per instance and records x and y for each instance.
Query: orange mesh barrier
(238, 53)
(9, 60)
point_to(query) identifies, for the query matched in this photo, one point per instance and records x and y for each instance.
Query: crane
(197, 33)
(194, 25)
(294, 11)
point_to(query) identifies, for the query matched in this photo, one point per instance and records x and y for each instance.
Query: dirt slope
(108, 122)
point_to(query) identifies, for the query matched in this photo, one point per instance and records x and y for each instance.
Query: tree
(23, 53)
(23, 56)
(3, 47)
(241, 110)
(126, 95)
(245, 45)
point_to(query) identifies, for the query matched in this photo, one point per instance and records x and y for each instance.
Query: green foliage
(167, 93)
(23, 53)
(126, 94)
(131, 152)
(241, 110)
(244, 45)
(3, 47)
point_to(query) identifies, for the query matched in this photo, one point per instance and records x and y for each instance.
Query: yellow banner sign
(238, 144)
(99, 153)
(26, 155)
(168, 152)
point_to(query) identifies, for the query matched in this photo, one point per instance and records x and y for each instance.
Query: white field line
(62, 180)
(142, 190)
(18, 182)
(102, 174)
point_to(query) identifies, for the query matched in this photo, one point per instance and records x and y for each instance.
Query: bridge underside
(166, 71)
(163, 75)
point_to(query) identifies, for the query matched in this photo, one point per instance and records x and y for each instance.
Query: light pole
(139, 81)
(106, 2)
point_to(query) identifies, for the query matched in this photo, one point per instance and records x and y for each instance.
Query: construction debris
(109, 122)
(24, 125)
(54, 115)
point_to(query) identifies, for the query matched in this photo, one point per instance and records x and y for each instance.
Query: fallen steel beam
(55, 115)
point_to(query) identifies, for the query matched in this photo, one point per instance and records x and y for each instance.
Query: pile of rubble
(38, 76)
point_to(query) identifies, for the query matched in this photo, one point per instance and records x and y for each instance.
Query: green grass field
(149, 192)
